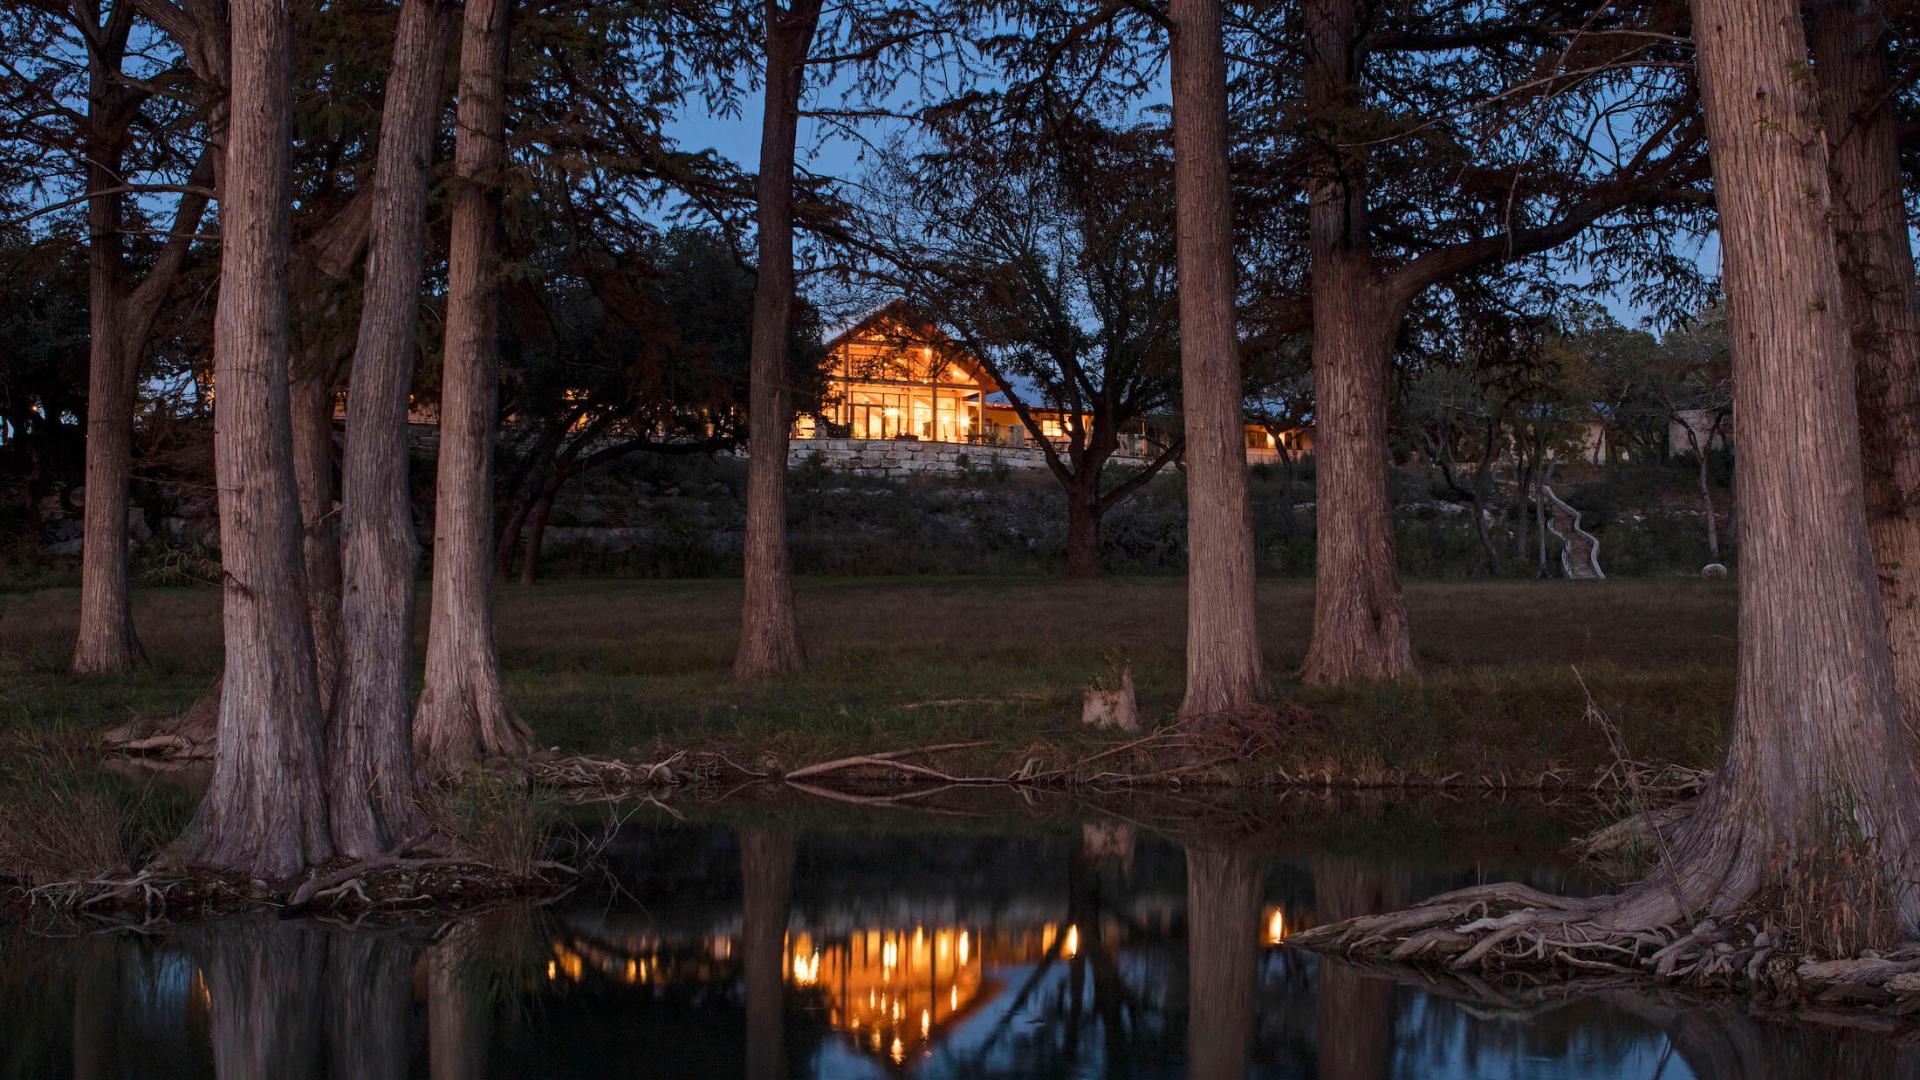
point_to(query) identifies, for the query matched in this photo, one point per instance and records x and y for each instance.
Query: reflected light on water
(1277, 929)
(893, 992)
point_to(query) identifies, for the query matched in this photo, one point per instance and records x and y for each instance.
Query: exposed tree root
(1510, 929)
(1633, 843)
(186, 736)
(386, 885)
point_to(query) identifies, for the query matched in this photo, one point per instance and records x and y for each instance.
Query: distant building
(894, 377)
(1710, 429)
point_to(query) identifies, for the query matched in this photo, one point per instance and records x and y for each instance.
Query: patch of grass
(497, 819)
(625, 666)
(63, 818)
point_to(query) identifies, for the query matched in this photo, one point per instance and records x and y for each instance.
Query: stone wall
(903, 457)
(899, 457)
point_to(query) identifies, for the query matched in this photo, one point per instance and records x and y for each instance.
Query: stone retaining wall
(899, 457)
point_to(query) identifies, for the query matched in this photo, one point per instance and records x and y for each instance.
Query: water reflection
(766, 951)
(1223, 945)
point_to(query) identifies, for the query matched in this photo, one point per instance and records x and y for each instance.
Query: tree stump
(1112, 708)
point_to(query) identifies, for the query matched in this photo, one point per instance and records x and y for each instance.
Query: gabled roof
(918, 326)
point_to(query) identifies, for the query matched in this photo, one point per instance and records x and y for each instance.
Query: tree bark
(1854, 70)
(1083, 533)
(1223, 951)
(1223, 646)
(766, 874)
(264, 813)
(370, 775)
(1359, 615)
(312, 396)
(1819, 765)
(463, 714)
(769, 627)
(1360, 626)
(106, 644)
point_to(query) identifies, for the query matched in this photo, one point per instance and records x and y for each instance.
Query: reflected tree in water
(264, 982)
(766, 878)
(1354, 1009)
(1223, 950)
(369, 999)
(456, 1010)
(1724, 1041)
(96, 992)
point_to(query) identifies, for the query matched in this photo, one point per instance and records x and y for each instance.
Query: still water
(798, 940)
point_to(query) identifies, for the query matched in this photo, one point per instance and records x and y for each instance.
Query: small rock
(1903, 985)
(1713, 571)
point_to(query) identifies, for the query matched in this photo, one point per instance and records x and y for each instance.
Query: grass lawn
(642, 667)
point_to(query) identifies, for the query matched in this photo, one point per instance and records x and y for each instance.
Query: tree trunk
(536, 531)
(370, 776)
(312, 397)
(1482, 474)
(1083, 533)
(1359, 615)
(463, 714)
(1522, 530)
(1287, 518)
(1854, 70)
(1540, 517)
(512, 530)
(1223, 646)
(106, 644)
(769, 628)
(1706, 489)
(1223, 952)
(1819, 767)
(120, 319)
(264, 813)
(766, 874)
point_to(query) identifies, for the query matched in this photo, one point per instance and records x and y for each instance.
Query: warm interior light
(1072, 945)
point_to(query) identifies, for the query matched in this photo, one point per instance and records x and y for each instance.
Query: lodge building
(892, 377)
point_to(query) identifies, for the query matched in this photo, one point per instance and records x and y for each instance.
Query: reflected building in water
(1051, 960)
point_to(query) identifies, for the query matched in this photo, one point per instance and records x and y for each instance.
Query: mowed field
(642, 667)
